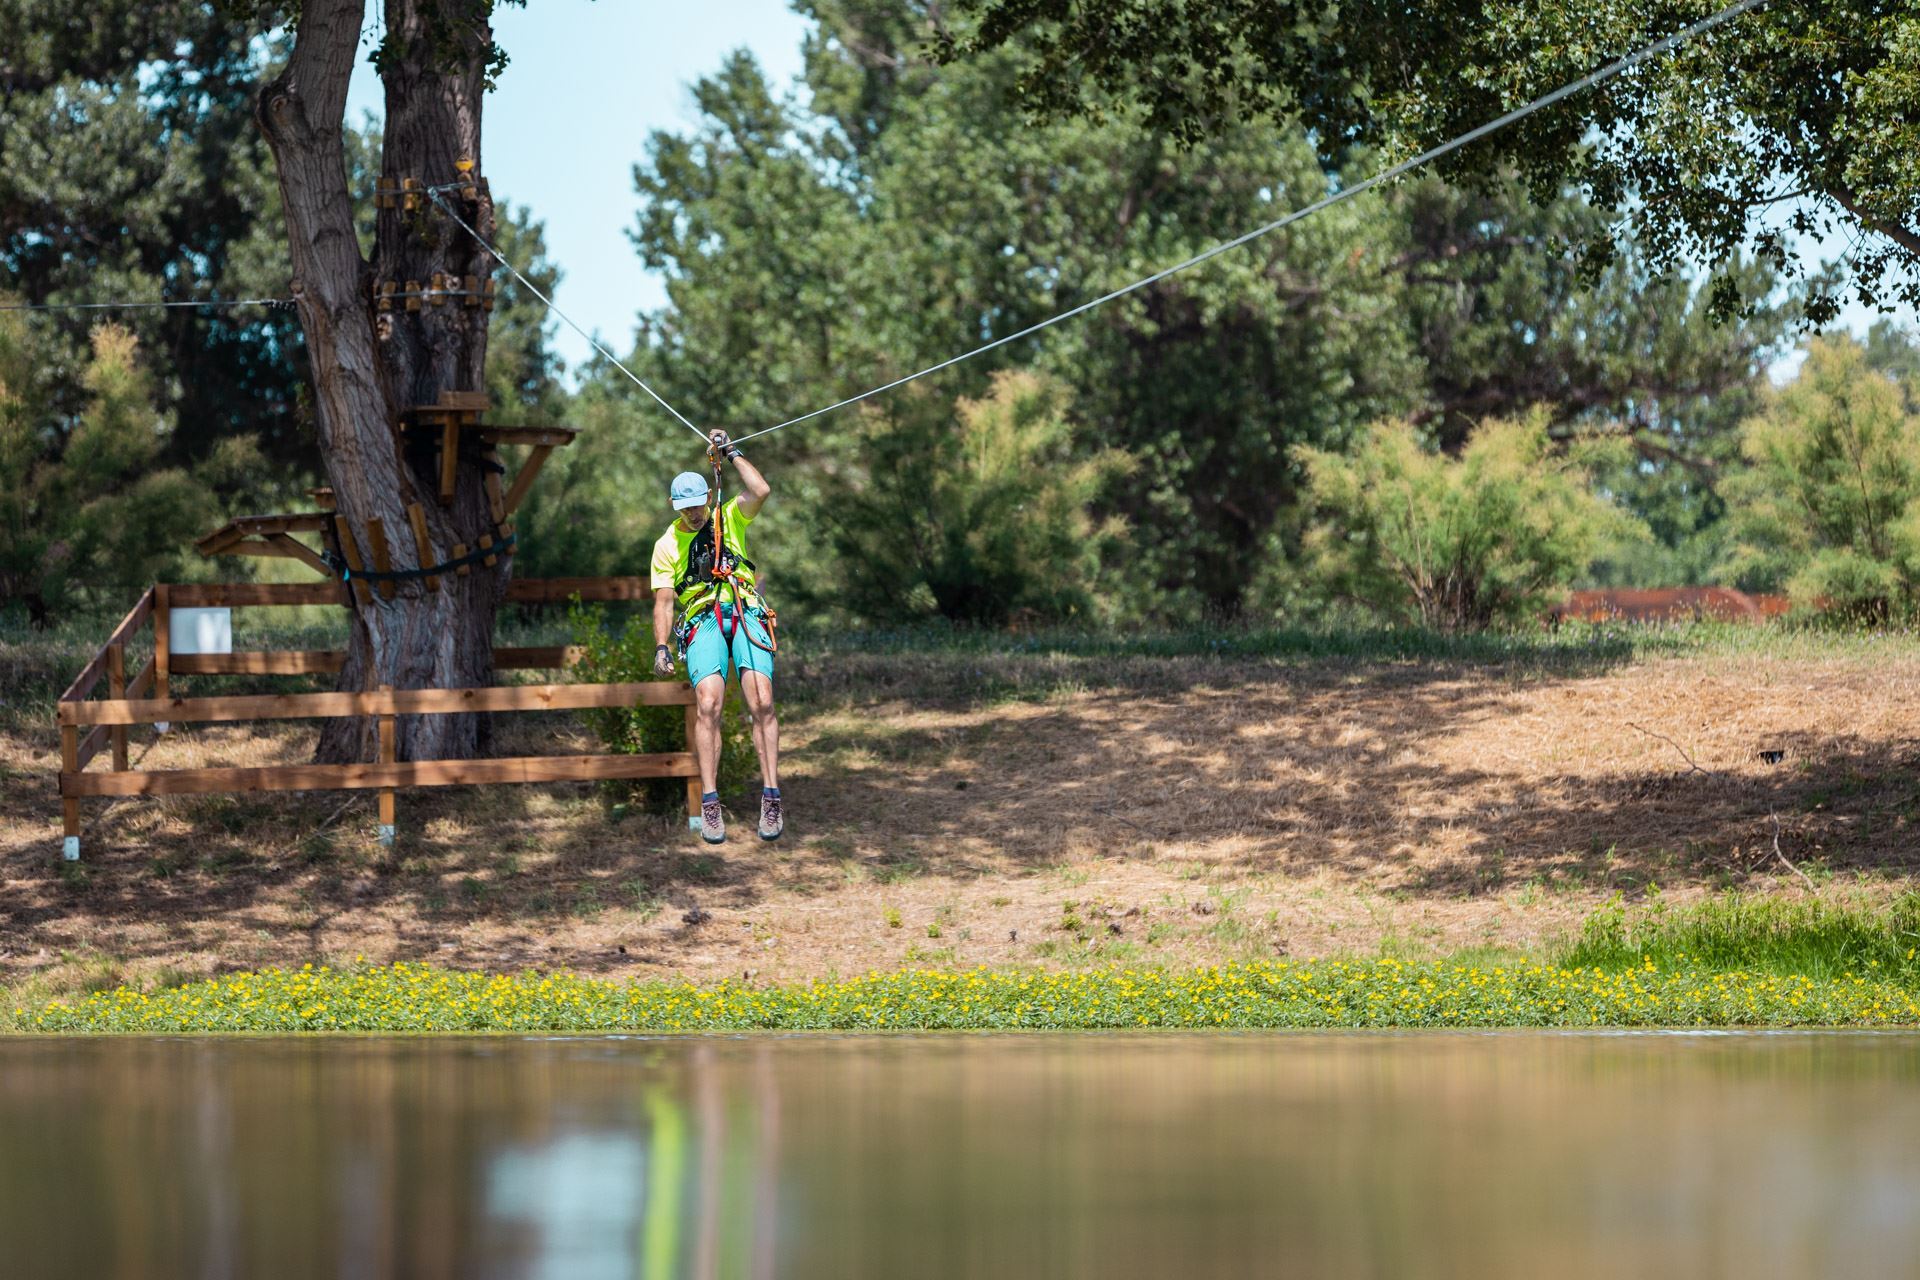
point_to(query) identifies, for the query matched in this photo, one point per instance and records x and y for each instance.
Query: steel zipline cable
(276, 304)
(433, 193)
(1605, 73)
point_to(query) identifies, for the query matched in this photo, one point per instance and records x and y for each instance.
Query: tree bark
(368, 367)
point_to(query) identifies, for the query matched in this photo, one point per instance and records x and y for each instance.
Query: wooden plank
(422, 543)
(387, 756)
(221, 595)
(560, 590)
(496, 500)
(322, 498)
(486, 544)
(360, 777)
(382, 562)
(351, 553)
(693, 779)
(90, 674)
(405, 702)
(544, 658)
(218, 542)
(463, 402)
(162, 640)
(302, 552)
(524, 480)
(460, 553)
(519, 591)
(449, 459)
(285, 662)
(558, 437)
(117, 690)
(70, 769)
(312, 662)
(299, 522)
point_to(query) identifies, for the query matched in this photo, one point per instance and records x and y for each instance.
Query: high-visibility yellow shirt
(671, 552)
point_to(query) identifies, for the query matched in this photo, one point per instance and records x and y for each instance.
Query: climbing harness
(711, 560)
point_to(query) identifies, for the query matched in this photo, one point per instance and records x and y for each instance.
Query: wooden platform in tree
(460, 411)
(269, 536)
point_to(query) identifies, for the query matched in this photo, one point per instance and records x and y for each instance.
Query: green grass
(1821, 938)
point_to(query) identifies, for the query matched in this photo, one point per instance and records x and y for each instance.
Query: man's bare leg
(758, 691)
(708, 696)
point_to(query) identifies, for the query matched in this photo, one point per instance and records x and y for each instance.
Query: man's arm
(663, 601)
(754, 487)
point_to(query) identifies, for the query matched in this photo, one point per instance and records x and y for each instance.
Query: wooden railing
(145, 699)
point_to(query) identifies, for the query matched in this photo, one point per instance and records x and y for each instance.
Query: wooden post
(162, 645)
(693, 783)
(449, 456)
(70, 805)
(117, 689)
(422, 544)
(351, 552)
(382, 562)
(386, 757)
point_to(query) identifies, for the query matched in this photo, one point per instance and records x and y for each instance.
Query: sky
(588, 82)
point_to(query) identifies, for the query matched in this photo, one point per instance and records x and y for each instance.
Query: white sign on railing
(200, 630)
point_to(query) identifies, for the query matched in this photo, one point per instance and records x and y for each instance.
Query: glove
(663, 661)
(720, 445)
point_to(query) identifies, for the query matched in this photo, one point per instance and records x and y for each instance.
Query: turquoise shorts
(709, 654)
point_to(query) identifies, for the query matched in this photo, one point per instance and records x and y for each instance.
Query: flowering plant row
(1324, 993)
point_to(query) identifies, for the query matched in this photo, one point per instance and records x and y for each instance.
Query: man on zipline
(723, 621)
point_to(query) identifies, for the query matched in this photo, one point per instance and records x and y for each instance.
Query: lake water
(1523, 1154)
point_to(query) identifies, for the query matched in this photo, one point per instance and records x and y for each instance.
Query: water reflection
(1324, 1155)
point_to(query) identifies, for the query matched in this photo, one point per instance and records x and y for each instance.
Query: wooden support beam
(561, 590)
(311, 662)
(486, 544)
(463, 402)
(524, 480)
(449, 458)
(357, 777)
(351, 553)
(404, 702)
(97, 737)
(300, 551)
(693, 779)
(227, 595)
(387, 756)
(70, 803)
(219, 541)
(460, 553)
(422, 543)
(382, 562)
(162, 641)
(117, 690)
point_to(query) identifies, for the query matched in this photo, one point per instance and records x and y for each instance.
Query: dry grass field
(1017, 808)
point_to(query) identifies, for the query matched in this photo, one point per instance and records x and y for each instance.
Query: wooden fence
(89, 726)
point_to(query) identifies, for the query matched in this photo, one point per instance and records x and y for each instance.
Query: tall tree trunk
(369, 367)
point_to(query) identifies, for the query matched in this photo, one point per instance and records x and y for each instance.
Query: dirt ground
(1180, 812)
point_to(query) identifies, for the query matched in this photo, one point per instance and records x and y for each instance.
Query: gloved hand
(720, 445)
(663, 661)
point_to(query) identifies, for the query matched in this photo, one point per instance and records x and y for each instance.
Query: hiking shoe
(713, 825)
(771, 821)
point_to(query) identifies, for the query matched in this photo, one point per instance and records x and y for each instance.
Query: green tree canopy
(1829, 503)
(894, 213)
(1816, 98)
